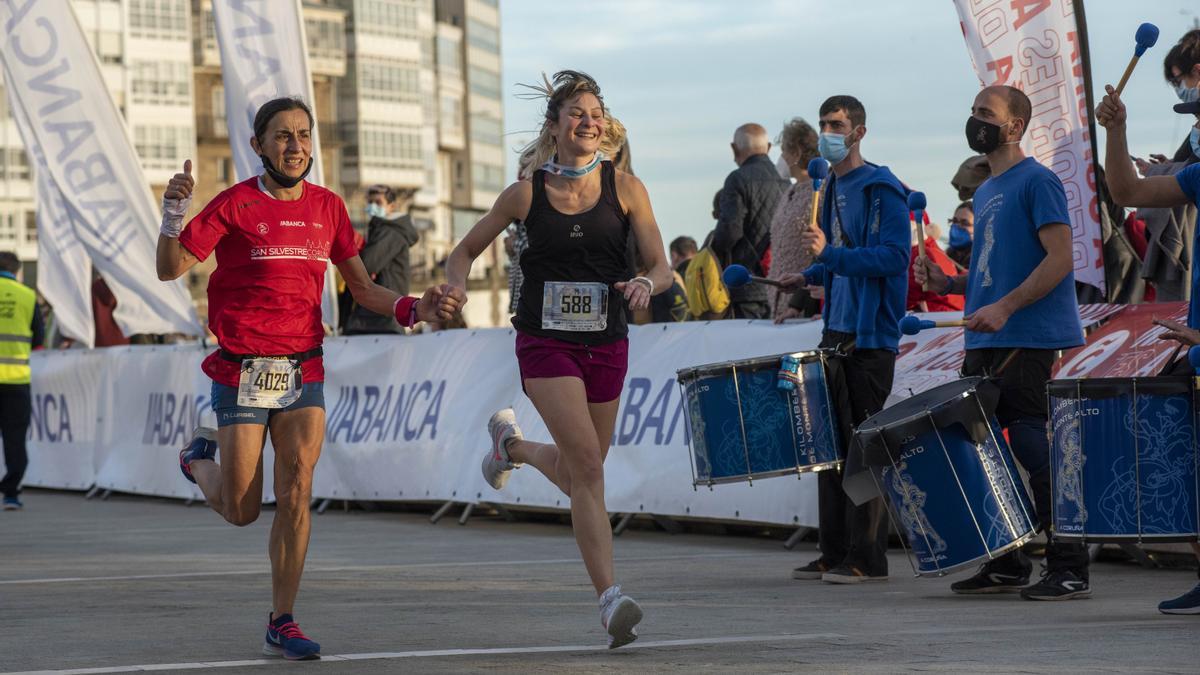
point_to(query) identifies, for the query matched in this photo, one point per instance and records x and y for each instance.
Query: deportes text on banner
(1034, 46)
(55, 82)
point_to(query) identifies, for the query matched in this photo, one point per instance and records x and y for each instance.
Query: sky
(683, 74)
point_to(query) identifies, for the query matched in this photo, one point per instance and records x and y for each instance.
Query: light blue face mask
(376, 211)
(1194, 137)
(832, 147)
(1187, 94)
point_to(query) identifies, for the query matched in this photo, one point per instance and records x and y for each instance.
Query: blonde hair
(566, 85)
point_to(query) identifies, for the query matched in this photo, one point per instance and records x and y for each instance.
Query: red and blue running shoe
(203, 446)
(284, 638)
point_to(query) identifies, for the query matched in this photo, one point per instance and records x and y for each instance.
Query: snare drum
(744, 426)
(948, 475)
(1123, 458)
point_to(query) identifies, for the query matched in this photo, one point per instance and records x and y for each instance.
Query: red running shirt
(264, 298)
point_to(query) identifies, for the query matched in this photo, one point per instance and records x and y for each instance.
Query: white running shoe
(497, 465)
(619, 614)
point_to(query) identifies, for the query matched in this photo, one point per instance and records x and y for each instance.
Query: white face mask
(785, 171)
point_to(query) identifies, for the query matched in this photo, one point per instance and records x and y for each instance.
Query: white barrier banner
(69, 410)
(159, 396)
(1034, 46)
(407, 420)
(55, 82)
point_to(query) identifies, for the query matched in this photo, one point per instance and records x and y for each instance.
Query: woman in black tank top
(571, 341)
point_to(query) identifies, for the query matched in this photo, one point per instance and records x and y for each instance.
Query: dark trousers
(15, 409)
(859, 383)
(1022, 411)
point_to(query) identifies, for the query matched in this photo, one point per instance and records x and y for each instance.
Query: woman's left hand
(636, 291)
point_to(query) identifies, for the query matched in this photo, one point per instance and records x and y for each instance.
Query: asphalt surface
(133, 584)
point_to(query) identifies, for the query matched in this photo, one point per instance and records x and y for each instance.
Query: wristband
(949, 286)
(405, 311)
(648, 281)
(173, 211)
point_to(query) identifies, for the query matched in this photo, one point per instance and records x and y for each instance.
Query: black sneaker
(812, 571)
(988, 580)
(849, 574)
(1058, 585)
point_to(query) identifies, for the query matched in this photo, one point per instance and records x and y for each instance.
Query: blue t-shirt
(1010, 209)
(851, 205)
(1189, 182)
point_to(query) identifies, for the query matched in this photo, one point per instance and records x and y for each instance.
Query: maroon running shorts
(600, 367)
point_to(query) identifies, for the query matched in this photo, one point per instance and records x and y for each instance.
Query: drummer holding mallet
(861, 249)
(1021, 309)
(1128, 189)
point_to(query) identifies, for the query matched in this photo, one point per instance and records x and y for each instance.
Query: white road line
(366, 568)
(433, 653)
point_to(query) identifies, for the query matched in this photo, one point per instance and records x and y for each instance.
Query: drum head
(1111, 387)
(772, 361)
(970, 401)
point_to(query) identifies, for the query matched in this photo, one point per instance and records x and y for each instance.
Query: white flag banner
(264, 56)
(55, 82)
(1035, 47)
(64, 269)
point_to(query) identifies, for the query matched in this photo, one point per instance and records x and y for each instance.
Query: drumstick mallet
(736, 276)
(916, 204)
(1194, 358)
(1146, 36)
(912, 324)
(818, 171)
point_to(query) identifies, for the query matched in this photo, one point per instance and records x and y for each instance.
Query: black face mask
(283, 179)
(983, 137)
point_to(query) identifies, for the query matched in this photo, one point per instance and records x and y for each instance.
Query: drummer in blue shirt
(1162, 191)
(861, 252)
(1021, 310)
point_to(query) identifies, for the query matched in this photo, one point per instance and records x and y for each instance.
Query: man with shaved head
(745, 207)
(1021, 309)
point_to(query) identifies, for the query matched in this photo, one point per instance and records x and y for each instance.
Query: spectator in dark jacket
(390, 234)
(748, 202)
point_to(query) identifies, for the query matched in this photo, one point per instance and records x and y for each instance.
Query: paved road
(130, 583)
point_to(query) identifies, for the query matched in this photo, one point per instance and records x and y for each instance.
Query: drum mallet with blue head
(1194, 358)
(736, 276)
(1146, 36)
(913, 324)
(916, 204)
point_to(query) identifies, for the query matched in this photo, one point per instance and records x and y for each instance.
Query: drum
(747, 420)
(946, 471)
(1123, 459)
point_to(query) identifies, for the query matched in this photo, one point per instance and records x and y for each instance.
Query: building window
(487, 177)
(449, 58)
(484, 82)
(162, 147)
(161, 82)
(463, 221)
(390, 18)
(14, 164)
(382, 80)
(483, 36)
(326, 38)
(224, 169)
(388, 146)
(30, 227)
(108, 47)
(159, 19)
(485, 129)
(220, 127)
(451, 115)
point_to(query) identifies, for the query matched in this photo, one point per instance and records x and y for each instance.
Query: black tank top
(584, 247)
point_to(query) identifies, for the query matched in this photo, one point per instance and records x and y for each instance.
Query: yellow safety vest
(17, 303)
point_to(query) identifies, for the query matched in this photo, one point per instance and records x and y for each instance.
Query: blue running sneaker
(1188, 603)
(203, 446)
(285, 639)
(13, 504)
